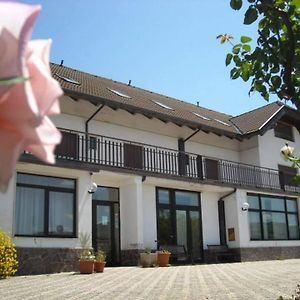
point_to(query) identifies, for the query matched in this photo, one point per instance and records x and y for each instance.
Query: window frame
(282, 135)
(260, 210)
(47, 190)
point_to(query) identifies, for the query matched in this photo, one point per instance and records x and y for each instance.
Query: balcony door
(179, 222)
(105, 223)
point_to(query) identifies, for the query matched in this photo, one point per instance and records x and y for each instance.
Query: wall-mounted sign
(231, 234)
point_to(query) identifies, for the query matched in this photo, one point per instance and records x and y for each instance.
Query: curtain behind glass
(60, 213)
(29, 217)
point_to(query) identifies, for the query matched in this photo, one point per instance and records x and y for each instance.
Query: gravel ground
(250, 280)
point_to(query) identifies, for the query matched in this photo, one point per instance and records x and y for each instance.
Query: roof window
(68, 79)
(202, 117)
(221, 122)
(119, 93)
(163, 105)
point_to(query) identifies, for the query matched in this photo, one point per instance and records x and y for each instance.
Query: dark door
(105, 230)
(68, 148)
(179, 222)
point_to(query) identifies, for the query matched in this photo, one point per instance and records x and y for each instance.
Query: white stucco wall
(131, 210)
(149, 216)
(231, 219)
(210, 219)
(269, 148)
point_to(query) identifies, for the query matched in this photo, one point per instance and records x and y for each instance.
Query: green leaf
(296, 3)
(228, 59)
(276, 81)
(245, 71)
(247, 48)
(246, 39)
(250, 15)
(236, 4)
(235, 73)
(236, 49)
(12, 80)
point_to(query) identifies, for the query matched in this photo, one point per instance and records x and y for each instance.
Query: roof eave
(131, 108)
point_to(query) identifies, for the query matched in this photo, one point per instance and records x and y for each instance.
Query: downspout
(87, 130)
(222, 218)
(182, 159)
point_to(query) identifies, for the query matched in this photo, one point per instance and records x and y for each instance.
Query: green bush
(8, 256)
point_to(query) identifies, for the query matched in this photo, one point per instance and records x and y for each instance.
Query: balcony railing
(118, 153)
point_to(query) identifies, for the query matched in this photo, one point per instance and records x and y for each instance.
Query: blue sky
(166, 46)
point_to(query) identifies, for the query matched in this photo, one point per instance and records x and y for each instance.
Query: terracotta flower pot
(163, 259)
(99, 266)
(86, 266)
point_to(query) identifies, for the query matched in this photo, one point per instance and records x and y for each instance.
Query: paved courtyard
(251, 280)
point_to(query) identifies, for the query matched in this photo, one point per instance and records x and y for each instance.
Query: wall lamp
(93, 188)
(245, 206)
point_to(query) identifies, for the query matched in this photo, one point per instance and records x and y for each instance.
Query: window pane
(269, 203)
(106, 194)
(255, 227)
(274, 226)
(30, 205)
(293, 226)
(186, 198)
(291, 205)
(61, 213)
(253, 201)
(163, 196)
(164, 225)
(45, 181)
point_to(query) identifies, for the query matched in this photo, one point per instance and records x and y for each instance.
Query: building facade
(170, 174)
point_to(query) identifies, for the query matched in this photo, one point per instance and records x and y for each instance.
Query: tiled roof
(101, 90)
(254, 120)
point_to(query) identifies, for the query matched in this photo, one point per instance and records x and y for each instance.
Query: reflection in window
(273, 218)
(186, 198)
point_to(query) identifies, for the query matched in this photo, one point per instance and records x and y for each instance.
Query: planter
(163, 259)
(86, 266)
(148, 259)
(99, 266)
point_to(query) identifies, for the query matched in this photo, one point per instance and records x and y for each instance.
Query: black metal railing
(119, 153)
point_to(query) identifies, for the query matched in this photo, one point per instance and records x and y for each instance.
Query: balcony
(144, 159)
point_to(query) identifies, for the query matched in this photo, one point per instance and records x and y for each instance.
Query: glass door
(105, 227)
(179, 222)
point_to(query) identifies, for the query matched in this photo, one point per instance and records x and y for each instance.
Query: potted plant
(163, 257)
(100, 261)
(86, 261)
(148, 259)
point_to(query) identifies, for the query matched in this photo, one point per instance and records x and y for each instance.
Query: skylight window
(221, 122)
(68, 79)
(119, 93)
(163, 105)
(202, 117)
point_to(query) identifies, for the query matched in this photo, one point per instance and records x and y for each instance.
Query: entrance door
(179, 222)
(105, 226)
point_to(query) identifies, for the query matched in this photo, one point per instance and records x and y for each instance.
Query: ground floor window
(179, 221)
(273, 218)
(45, 206)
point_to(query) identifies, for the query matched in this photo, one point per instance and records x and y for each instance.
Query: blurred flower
(287, 152)
(26, 105)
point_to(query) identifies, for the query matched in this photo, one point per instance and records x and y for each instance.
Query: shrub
(8, 256)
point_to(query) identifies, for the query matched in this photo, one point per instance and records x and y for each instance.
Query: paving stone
(236, 281)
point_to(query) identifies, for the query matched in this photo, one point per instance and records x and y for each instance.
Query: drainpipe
(87, 129)
(182, 158)
(222, 219)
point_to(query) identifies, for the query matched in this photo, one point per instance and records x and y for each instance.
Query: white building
(168, 173)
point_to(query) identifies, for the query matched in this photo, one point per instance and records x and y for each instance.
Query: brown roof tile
(253, 120)
(101, 90)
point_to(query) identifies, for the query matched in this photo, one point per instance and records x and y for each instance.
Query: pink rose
(25, 107)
